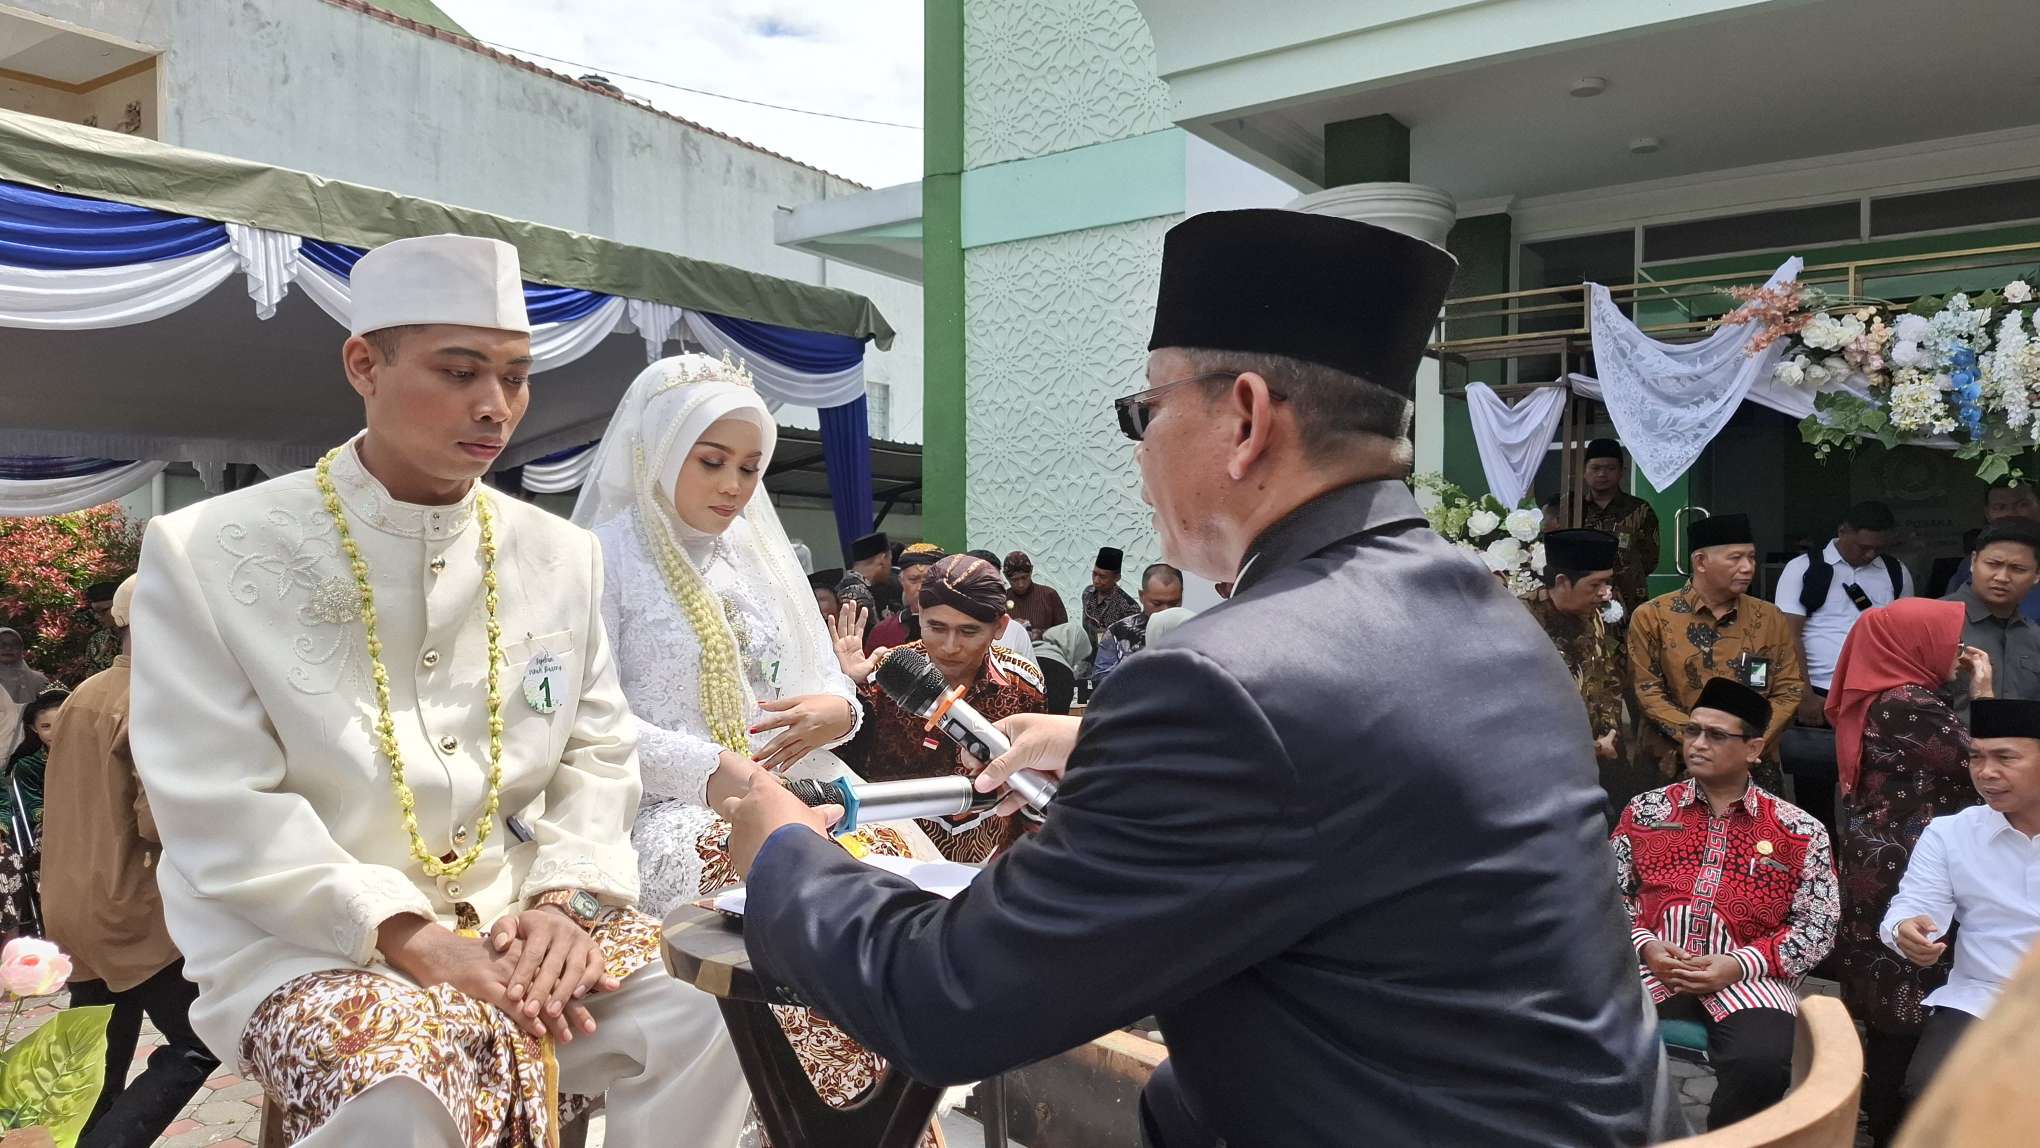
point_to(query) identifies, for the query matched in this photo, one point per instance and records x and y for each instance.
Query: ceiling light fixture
(1589, 86)
(1645, 145)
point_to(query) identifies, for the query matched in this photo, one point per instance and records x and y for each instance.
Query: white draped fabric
(34, 497)
(563, 477)
(1513, 440)
(1669, 400)
(777, 383)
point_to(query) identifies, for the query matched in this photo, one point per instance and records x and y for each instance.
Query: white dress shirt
(1829, 627)
(253, 727)
(1975, 869)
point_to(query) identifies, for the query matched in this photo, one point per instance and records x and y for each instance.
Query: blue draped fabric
(809, 352)
(32, 467)
(544, 304)
(846, 430)
(51, 231)
(846, 453)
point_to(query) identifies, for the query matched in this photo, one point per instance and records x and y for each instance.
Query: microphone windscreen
(911, 680)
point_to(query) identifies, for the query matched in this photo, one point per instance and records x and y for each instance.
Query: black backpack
(1820, 575)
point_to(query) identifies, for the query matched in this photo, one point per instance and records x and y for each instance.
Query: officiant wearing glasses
(1345, 914)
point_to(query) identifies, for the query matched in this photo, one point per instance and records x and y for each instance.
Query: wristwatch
(584, 907)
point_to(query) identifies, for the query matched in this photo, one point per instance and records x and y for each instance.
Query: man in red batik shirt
(1732, 898)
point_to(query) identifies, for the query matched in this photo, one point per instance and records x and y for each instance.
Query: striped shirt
(1756, 884)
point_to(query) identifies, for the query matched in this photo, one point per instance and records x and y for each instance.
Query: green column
(1667, 503)
(1372, 149)
(942, 286)
(1482, 245)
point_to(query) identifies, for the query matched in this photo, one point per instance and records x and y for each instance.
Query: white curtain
(780, 384)
(656, 322)
(34, 497)
(562, 477)
(1513, 440)
(91, 298)
(1669, 400)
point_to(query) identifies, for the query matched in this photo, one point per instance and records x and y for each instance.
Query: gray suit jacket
(1341, 835)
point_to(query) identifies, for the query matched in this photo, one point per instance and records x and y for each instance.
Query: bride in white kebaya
(723, 658)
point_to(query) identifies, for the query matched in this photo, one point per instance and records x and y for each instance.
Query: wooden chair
(1827, 1085)
(1985, 1095)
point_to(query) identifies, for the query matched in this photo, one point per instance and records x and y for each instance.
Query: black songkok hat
(2004, 717)
(825, 579)
(1344, 294)
(1111, 559)
(1604, 448)
(921, 554)
(101, 591)
(869, 546)
(1583, 550)
(1732, 697)
(1720, 530)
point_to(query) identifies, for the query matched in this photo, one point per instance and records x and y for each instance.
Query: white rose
(1790, 372)
(1814, 375)
(1611, 611)
(1525, 525)
(1537, 558)
(1504, 555)
(1911, 329)
(1907, 352)
(1823, 333)
(2018, 291)
(1838, 368)
(1482, 523)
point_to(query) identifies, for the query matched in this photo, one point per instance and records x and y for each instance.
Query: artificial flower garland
(385, 724)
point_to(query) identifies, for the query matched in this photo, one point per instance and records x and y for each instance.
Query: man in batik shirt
(963, 609)
(1713, 628)
(1732, 898)
(1104, 602)
(1579, 566)
(1630, 519)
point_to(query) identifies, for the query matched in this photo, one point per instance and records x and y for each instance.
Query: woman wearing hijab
(1903, 757)
(721, 652)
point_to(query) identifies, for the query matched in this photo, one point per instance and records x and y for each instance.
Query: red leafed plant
(45, 566)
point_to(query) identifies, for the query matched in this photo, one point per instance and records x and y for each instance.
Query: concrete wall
(309, 85)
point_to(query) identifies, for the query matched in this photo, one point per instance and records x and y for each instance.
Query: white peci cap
(123, 601)
(452, 279)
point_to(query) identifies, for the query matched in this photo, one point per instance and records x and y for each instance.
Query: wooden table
(706, 949)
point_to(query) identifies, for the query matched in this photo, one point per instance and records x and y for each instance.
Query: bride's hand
(809, 722)
(847, 632)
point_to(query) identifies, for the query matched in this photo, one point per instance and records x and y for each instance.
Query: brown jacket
(1677, 643)
(99, 843)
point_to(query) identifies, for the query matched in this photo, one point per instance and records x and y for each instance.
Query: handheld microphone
(916, 685)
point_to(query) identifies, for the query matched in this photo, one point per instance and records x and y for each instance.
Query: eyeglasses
(1137, 410)
(1712, 736)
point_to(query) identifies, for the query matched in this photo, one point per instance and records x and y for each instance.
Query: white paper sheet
(942, 878)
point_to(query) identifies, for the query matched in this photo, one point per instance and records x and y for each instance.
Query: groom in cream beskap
(394, 775)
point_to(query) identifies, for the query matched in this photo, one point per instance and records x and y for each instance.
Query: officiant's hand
(811, 721)
(732, 777)
(1041, 742)
(846, 630)
(764, 810)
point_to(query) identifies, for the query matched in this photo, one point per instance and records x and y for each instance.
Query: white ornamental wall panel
(1058, 329)
(1045, 76)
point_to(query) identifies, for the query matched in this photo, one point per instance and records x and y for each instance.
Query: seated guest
(18, 680)
(1902, 759)
(1015, 636)
(905, 626)
(1731, 896)
(1579, 573)
(21, 789)
(962, 609)
(854, 593)
(1712, 628)
(1979, 868)
(1036, 606)
(1161, 588)
(1104, 602)
(1074, 647)
(2005, 570)
(824, 583)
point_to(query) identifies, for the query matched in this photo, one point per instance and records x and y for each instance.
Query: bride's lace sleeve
(834, 680)
(676, 765)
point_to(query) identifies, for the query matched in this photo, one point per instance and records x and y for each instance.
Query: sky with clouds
(861, 58)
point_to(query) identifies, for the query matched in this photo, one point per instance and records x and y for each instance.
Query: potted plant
(49, 1082)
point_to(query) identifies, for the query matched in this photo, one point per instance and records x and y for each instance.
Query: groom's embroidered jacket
(253, 722)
